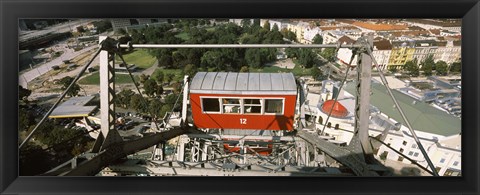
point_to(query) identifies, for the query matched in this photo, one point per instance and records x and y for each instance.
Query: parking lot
(133, 124)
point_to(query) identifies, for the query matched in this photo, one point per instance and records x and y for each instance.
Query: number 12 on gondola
(243, 121)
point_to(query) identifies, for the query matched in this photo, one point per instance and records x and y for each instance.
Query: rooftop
(375, 27)
(346, 40)
(422, 116)
(451, 23)
(74, 107)
(244, 83)
(382, 44)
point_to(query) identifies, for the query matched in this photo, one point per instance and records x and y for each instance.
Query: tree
(428, 65)
(158, 76)
(246, 23)
(103, 25)
(143, 78)
(150, 86)
(136, 102)
(25, 119)
(307, 57)
(266, 25)
(190, 70)
(244, 69)
(159, 90)
(171, 99)
(121, 31)
(392, 69)
(289, 35)
(315, 72)
(155, 107)
(213, 58)
(318, 39)
(456, 67)
(275, 28)
(23, 93)
(137, 37)
(253, 58)
(33, 160)
(65, 82)
(441, 68)
(169, 77)
(256, 22)
(412, 68)
(123, 97)
(165, 108)
(177, 88)
(292, 52)
(329, 54)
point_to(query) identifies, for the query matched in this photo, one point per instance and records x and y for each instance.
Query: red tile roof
(346, 40)
(382, 44)
(338, 111)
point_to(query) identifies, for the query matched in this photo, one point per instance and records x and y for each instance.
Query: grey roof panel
(219, 82)
(254, 81)
(421, 115)
(78, 101)
(265, 82)
(197, 80)
(208, 80)
(287, 82)
(231, 81)
(251, 83)
(242, 81)
(277, 81)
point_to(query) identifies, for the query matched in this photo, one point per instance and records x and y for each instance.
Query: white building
(135, 23)
(344, 55)
(281, 24)
(423, 49)
(432, 24)
(310, 33)
(446, 33)
(438, 131)
(382, 49)
(332, 36)
(448, 51)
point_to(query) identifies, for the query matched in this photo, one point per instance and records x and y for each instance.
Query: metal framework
(200, 147)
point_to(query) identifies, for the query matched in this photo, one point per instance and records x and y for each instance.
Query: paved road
(44, 68)
(60, 28)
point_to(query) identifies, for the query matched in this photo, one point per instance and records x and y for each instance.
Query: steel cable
(61, 97)
(339, 90)
(400, 110)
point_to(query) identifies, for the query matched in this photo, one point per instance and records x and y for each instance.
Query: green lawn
(94, 79)
(297, 70)
(210, 29)
(139, 57)
(184, 36)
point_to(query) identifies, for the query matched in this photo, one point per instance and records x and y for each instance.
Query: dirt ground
(45, 85)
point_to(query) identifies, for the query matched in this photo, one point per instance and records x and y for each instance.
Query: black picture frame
(11, 11)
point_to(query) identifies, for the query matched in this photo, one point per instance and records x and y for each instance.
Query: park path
(44, 68)
(149, 71)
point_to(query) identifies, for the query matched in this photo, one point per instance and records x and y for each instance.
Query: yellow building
(299, 29)
(401, 53)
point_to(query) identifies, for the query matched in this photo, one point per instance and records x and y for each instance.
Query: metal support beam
(168, 168)
(185, 100)
(362, 103)
(239, 46)
(107, 99)
(345, 157)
